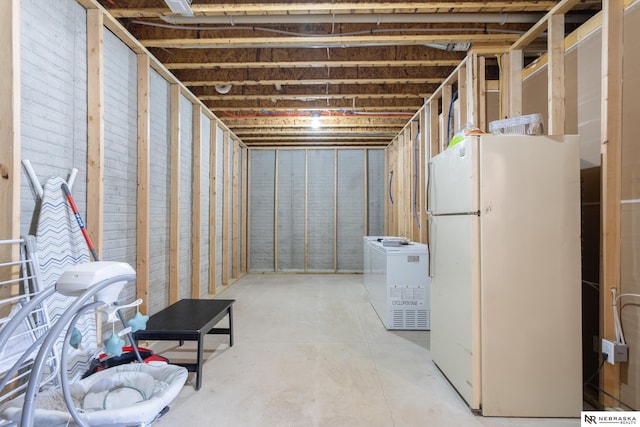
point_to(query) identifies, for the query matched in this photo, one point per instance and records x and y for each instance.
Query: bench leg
(230, 326)
(199, 362)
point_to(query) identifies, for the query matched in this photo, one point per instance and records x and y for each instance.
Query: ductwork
(390, 18)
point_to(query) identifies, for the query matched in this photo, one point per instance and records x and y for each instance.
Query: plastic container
(522, 125)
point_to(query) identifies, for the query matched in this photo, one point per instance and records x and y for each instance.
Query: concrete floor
(310, 351)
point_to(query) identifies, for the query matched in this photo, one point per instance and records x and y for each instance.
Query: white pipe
(72, 178)
(364, 18)
(33, 177)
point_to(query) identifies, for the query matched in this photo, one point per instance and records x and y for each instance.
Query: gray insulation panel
(375, 192)
(291, 209)
(262, 193)
(320, 210)
(351, 209)
(159, 200)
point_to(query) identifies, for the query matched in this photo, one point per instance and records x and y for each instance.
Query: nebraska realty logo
(608, 418)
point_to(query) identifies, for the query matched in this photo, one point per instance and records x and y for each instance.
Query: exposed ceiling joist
(337, 60)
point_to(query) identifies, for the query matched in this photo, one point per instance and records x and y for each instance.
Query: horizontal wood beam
(390, 80)
(320, 133)
(311, 64)
(312, 97)
(338, 121)
(327, 41)
(408, 109)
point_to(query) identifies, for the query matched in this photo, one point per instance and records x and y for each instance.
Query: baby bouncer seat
(44, 309)
(125, 395)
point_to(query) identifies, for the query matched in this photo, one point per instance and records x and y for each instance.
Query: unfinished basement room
(319, 213)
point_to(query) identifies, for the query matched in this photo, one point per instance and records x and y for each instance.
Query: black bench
(190, 320)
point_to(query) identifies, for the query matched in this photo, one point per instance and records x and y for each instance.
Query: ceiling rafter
(364, 67)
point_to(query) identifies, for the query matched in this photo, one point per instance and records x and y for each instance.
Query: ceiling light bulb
(315, 123)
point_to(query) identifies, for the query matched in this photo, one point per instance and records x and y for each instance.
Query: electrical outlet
(616, 352)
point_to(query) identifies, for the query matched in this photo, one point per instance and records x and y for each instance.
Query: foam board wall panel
(120, 156)
(53, 73)
(186, 196)
(291, 210)
(320, 210)
(375, 192)
(350, 210)
(205, 135)
(262, 193)
(159, 197)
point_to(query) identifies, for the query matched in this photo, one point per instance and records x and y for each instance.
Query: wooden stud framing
(472, 90)
(447, 93)
(424, 158)
(275, 211)
(416, 177)
(306, 209)
(463, 99)
(482, 94)
(385, 208)
(514, 80)
(243, 220)
(174, 233)
(398, 184)
(335, 210)
(366, 191)
(9, 137)
(144, 183)
(226, 153)
(213, 182)
(248, 226)
(555, 69)
(408, 182)
(235, 211)
(95, 127)
(10, 124)
(504, 87)
(196, 218)
(434, 129)
(611, 147)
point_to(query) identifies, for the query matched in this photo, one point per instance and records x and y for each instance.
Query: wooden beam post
(463, 94)
(243, 221)
(611, 147)
(447, 94)
(235, 211)
(275, 211)
(416, 196)
(555, 69)
(174, 228)
(9, 136)
(196, 213)
(213, 142)
(504, 61)
(226, 153)
(482, 94)
(422, 173)
(144, 183)
(434, 128)
(515, 83)
(95, 127)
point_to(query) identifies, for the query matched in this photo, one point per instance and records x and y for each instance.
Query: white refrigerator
(504, 240)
